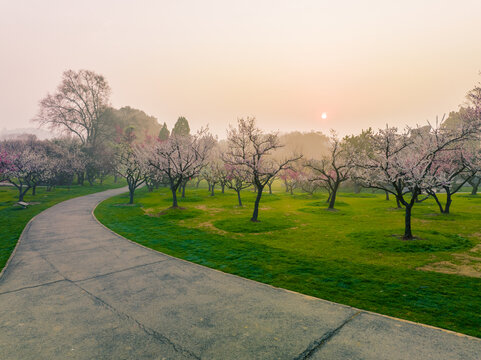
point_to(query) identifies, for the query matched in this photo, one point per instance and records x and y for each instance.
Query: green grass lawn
(14, 218)
(353, 256)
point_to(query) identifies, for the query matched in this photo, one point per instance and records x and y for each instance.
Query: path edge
(25, 229)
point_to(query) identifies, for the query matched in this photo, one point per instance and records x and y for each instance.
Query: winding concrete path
(75, 290)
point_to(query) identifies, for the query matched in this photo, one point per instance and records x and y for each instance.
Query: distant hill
(312, 145)
(143, 125)
(20, 132)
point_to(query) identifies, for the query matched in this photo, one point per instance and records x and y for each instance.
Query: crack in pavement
(317, 344)
(75, 281)
(118, 271)
(32, 286)
(149, 331)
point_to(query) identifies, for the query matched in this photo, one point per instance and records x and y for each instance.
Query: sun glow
(324, 116)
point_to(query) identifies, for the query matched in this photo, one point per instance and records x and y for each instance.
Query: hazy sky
(365, 63)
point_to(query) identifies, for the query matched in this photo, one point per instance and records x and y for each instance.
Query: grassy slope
(347, 256)
(14, 218)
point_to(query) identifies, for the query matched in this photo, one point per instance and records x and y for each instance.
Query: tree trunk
(255, 214)
(332, 201)
(208, 183)
(115, 178)
(475, 185)
(34, 190)
(212, 190)
(80, 178)
(239, 198)
(131, 191)
(285, 184)
(357, 188)
(174, 197)
(183, 189)
(198, 182)
(222, 187)
(270, 189)
(387, 196)
(441, 210)
(21, 192)
(449, 200)
(408, 235)
(398, 203)
(291, 189)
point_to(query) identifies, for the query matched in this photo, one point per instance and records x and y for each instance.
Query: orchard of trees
(409, 165)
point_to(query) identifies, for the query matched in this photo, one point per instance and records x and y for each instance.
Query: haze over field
(362, 63)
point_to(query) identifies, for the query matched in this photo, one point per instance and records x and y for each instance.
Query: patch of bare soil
(208, 225)
(152, 212)
(464, 264)
(211, 211)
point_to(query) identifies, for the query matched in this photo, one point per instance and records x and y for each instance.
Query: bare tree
(250, 147)
(78, 106)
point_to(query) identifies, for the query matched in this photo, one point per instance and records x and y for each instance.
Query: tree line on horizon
(407, 164)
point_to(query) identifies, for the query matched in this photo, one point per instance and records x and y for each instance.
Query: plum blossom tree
(180, 158)
(402, 163)
(130, 166)
(5, 163)
(250, 147)
(332, 170)
(447, 168)
(238, 178)
(209, 174)
(291, 178)
(309, 183)
(26, 165)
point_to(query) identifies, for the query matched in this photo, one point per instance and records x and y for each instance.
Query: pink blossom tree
(250, 147)
(291, 178)
(238, 178)
(5, 164)
(26, 165)
(180, 158)
(335, 168)
(402, 163)
(130, 165)
(447, 168)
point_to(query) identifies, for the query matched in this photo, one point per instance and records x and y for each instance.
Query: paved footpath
(74, 290)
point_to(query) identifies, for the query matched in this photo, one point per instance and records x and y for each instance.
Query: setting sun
(324, 116)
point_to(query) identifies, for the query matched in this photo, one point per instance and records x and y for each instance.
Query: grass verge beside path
(352, 256)
(14, 218)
